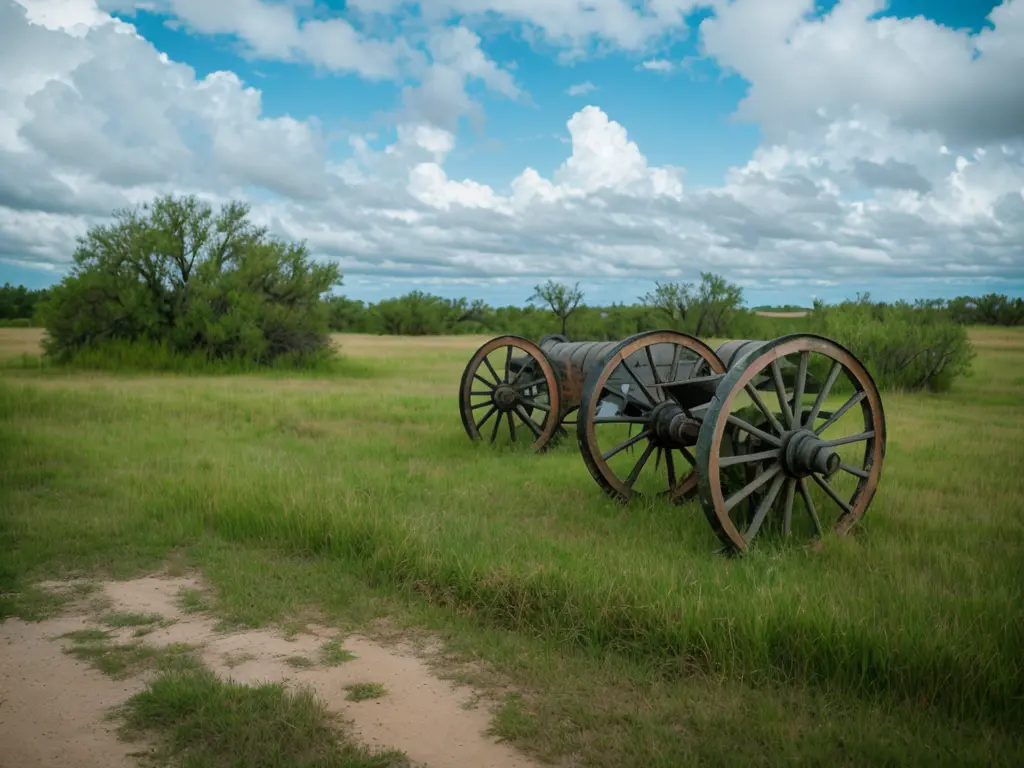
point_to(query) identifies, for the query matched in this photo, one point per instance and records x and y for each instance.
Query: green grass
(201, 721)
(365, 691)
(333, 655)
(122, 660)
(630, 640)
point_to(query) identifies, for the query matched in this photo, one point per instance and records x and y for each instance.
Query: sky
(479, 147)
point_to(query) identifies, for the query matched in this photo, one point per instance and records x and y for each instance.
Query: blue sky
(820, 148)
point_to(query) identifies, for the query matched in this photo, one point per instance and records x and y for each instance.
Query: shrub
(194, 283)
(904, 346)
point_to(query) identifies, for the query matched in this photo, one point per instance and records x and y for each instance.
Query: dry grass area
(20, 341)
(785, 315)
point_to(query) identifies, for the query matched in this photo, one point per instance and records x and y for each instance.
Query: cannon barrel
(511, 378)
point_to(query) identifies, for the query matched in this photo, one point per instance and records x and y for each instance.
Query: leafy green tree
(560, 299)
(176, 273)
(672, 300)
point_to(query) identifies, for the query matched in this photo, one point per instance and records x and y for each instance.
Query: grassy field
(613, 636)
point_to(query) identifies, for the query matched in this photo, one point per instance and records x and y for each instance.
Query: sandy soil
(52, 707)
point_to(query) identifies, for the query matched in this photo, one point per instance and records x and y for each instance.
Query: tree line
(208, 286)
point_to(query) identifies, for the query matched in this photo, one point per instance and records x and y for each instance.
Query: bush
(904, 346)
(198, 285)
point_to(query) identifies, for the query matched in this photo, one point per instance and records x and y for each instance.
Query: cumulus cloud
(805, 70)
(93, 117)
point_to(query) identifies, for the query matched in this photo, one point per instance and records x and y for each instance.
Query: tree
(175, 272)
(672, 299)
(716, 302)
(561, 299)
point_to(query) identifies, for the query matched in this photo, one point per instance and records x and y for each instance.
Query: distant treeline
(18, 305)
(711, 309)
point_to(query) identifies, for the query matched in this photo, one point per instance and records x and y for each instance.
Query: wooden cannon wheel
(509, 379)
(624, 407)
(790, 450)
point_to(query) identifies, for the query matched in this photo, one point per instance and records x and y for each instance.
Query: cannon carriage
(742, 426)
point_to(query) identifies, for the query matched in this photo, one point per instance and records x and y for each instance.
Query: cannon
(742, 427)
(540, 384)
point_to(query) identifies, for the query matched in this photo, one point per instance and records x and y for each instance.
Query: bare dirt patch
(53, 708)
(783, 315)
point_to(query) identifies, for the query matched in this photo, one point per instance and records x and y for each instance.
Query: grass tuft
(333, 655)
(364, 691)
(198, 720)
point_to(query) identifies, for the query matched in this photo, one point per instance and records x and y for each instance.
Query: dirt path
(52, 707)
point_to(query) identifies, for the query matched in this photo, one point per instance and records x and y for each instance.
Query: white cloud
(581, 89)
(93, 117)
(657, 65)
(924, 76)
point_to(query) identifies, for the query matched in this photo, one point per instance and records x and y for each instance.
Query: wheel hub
(672, 427)
(505, 398)
(804, 453)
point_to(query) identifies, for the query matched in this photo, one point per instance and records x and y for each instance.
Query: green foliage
(905, 346)
(709, 309)
(18, 305)
(560, 299)
(177, 277)
(990, 309)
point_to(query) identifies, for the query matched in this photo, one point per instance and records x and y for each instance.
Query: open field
(783, 315)
(601, 635)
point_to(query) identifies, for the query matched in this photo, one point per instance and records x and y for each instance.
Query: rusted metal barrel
(527, 378)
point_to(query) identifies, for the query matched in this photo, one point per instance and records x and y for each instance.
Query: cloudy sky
(477, 147)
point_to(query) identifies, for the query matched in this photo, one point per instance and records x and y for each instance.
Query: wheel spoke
(839, 414)
(638, 467)
(853, 470)
(780, 391)
(748, 458)
(787, 513)
(654, 368)
(858, 438)
(687, 455)
(753, 393)
(738, 422)
(487, 415)
(623, 446)
(798, 393)
(480, 394)
(752, 486)
(494, 373)
(673, 370)
(494, 432)
(764, 506)
(511, 425)
(833, 374)
(670, 467)
(640, 384)
(535, 404)
(508, 363)
(832, 493)
(535, 428)
(484, 404)
(485, 382)
(529, 384)
(809, 504)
